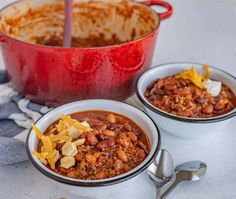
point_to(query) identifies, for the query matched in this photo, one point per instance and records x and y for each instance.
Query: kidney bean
(141, 153)
(101, 127)
(170, 87)
(202, 100)
(153, 91)
(95, 132)
(182, 82)
(115, 127)
(111, 118)
(97, 124)
(159, 93)
(182, 91)
(126, 167)
(111, 127)
(221, 104)
(138, 133)
(79, 156)
(170, 80)
(119, 127)
(127, 126)
(92, 139)
(178, 85)
(208, 109)
(94, 122)
(83, 135)
(143, 146)
(159, 84)
(118, 165)
(132, 136)
(100, 175)
(195, 111)
(212, 100)
(122, 155)
(102, 137)
(105, 143)
(197, 91)
(125, 142)
(90, 158)
(109, 133)
(184, 113)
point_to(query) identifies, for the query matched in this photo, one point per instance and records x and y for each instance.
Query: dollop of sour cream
(213, 87)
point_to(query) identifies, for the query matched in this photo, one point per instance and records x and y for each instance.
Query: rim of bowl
(148, 35)
(180, 118)
(94, 183)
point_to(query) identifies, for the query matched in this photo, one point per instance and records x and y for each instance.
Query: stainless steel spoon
(189, 171)
(162, 171)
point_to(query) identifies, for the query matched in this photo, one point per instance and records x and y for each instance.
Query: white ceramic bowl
(87, 187)
(177, 125)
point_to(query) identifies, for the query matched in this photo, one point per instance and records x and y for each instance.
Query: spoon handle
(171, 188)
(158, 193)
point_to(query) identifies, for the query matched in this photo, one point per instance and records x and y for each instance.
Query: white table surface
(199, 31)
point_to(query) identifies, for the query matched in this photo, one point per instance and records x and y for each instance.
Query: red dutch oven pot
(56, 75)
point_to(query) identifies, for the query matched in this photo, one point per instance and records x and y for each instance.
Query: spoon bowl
(191, 171)
(188, 171)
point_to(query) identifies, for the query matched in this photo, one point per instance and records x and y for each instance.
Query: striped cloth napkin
(16, 116)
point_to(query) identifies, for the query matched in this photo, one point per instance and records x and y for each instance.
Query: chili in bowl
(93, 143)
(188, 99)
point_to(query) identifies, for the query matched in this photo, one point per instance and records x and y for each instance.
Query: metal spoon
(189, 171)
(161, 171)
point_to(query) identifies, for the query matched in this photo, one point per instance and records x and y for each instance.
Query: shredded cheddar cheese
(48, 151)
(208, 71)
(40, 155)
(61, 126)
(53, 157)
(60, 134)
(60, 138)
(37, 131)
(47, 144)
(74, 123)
(197, 78)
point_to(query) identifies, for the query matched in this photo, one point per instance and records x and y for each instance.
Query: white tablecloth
(199, 31)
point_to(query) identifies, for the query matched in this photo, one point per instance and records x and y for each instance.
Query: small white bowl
(87, 187)
(177, 125)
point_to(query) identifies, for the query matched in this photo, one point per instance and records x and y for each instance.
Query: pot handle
(164, 4)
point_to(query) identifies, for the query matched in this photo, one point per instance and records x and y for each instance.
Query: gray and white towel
(16, 116)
